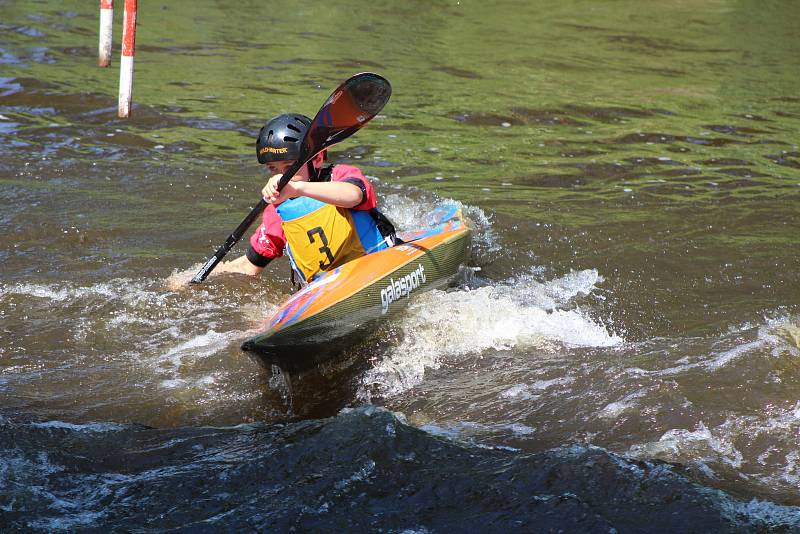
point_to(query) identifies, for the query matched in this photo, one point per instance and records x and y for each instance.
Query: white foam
(777, 436)
(614, 409)
(769, 454)
(86, 427)
(519, 429)
(519, 391)
(124, 320)
(202, 383)
(70, 508)
(775, 337)
(182, 367)
(57, 292)
(785, 333)
(408, 214)
(460, 430)
(174, 383)
(200, 346)
(526, 391)
(123, 291)
(521, 313)
(681, 445)
(769, 516)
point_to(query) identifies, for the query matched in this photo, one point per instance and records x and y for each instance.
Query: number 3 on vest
(324, 248)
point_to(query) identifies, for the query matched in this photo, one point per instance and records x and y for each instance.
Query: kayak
(342, 306)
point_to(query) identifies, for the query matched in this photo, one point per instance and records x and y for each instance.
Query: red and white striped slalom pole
(106, 24)
(126, 63)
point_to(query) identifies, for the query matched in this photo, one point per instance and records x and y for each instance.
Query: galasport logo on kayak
(402, 287)
(270, 150)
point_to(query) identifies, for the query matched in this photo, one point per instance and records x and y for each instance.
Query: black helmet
(280, 138)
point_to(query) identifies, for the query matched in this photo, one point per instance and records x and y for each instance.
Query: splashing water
(141, 342)
(517, 314)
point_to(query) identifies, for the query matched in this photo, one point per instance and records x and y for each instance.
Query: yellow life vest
(321, 237)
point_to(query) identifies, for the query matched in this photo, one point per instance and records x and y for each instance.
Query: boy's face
(280, 167)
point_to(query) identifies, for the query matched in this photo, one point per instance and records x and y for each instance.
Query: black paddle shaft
(228, 245)
(352, 105)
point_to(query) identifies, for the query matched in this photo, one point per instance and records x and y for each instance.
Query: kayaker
(323, 217)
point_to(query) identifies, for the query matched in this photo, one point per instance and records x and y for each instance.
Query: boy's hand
(271, 194)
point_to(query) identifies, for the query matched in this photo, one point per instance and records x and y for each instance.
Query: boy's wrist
(299, 187)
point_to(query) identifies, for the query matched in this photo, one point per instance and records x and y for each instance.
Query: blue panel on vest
(294, 208)
(368, 233)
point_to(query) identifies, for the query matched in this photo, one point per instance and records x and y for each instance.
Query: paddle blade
(352, 105)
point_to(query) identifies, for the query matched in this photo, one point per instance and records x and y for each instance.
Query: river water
(622, 352)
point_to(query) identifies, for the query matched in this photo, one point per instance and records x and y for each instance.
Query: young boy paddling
(323, 217)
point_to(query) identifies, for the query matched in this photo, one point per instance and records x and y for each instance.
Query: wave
(246, 476)
(521, 313)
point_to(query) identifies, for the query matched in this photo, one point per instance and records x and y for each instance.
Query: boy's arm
(240, 265)
(342, 194)
(266, 244)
